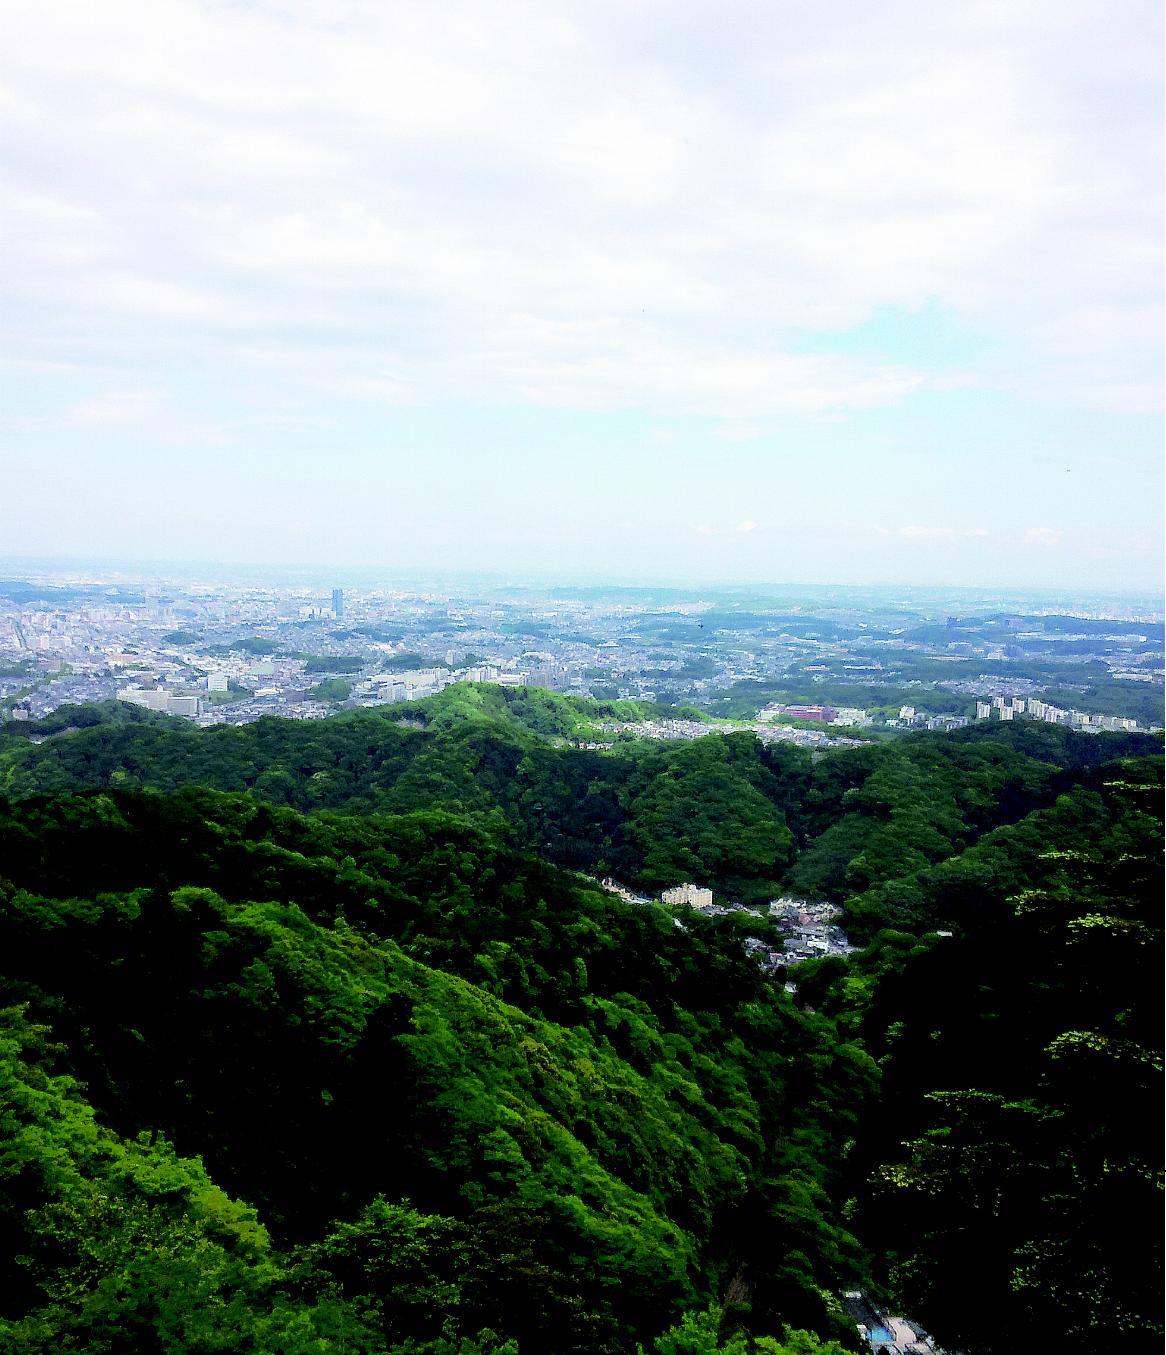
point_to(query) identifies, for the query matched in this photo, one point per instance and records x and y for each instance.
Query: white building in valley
(690, 895)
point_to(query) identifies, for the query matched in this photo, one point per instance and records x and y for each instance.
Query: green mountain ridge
(726, 811)
(319, 1037)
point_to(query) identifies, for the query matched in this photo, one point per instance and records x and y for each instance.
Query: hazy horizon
(323, 577)
(846, 293)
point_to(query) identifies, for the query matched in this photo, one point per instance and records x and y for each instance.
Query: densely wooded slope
(368, 1071)
(729, 812)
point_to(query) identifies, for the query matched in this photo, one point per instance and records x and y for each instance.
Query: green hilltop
(323, 1036)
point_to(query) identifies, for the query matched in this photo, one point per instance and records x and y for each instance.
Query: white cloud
(152, 296)
(1042, 536)
(579, 205)
(386, 387)
(604, 364)
(744, 528)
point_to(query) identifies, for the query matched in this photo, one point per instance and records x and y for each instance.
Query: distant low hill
(744, 818)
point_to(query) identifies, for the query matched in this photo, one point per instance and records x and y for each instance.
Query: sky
(763, 292)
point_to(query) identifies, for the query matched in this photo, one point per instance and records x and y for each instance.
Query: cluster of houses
(809, 929)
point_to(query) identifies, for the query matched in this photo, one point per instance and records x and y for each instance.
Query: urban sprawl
(218, 653)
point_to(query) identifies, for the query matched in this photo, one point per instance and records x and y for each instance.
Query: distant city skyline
(747, 295)
(325, 579)
(218, 646)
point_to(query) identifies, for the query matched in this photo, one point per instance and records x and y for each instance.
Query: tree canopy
(322, 1036)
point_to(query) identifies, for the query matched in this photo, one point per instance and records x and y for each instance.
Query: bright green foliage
(331, 689)
(703, 1333)
(1034, 1159)
(704, 816)
(341, 1062)
(723, 811)
(122, 1246)
(623, 1155)
(889, 812)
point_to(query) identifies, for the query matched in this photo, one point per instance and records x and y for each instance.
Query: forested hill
(312, 1044)
(725, 811)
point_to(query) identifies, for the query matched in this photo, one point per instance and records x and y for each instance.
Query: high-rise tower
(338, 603)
